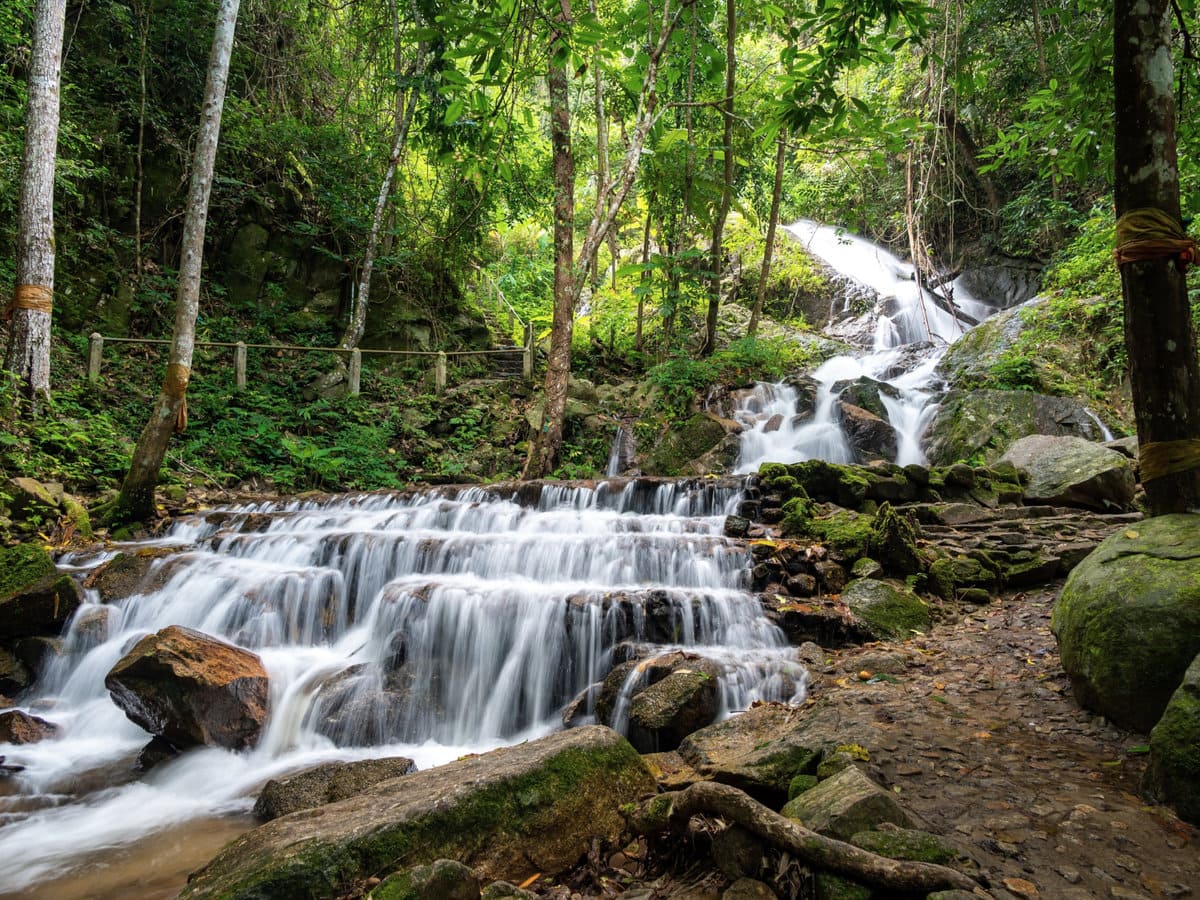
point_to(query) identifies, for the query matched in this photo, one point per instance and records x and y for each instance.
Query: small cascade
(907, 332)
(426, 625)
(624, 449)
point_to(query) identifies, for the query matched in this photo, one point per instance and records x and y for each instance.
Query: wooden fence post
(439, 372)
(355, 375)
(239, 365)
(527, 362)
(95, 350)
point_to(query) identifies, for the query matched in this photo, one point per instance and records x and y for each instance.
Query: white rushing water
(426, 626)
(904, 315)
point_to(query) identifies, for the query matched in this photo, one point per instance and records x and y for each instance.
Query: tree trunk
(602, 167)
(716, 264)
(360, 301)
(645, 283)
(1159, 336)
(545, 446)
(169, 413)
(772, 225)
(33, 297)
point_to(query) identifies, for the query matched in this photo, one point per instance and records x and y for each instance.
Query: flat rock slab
(326, 783)
(1073, 471)
(509, 814)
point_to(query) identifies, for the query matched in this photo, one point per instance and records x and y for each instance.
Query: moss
(906, 843)
(948, 574)
(779, 769)
(800, 784)
(888, 612)
(22, 566)
(1174, 772)
(893, 542)
(846, 486)
(687, 441)
(847, 533)
(77, 514)
(831, 887)
(797, 516)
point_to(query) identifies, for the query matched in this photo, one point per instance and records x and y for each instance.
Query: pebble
(1021, 887)
(1070, 876)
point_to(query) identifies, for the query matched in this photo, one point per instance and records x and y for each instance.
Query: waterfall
(426, 625)
(906, 316)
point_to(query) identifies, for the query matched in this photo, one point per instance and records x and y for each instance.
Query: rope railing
(495, 296)
(440, 358)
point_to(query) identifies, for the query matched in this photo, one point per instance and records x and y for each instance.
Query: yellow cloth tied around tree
(1164, 458)
(1149, 233)
(33, 297)
(175, 387)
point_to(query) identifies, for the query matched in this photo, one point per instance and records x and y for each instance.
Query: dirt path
(986, 742)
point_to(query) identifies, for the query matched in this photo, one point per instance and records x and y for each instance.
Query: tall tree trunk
(602, 167)
(716, 265)
(645, 283)
(772, 224)
(169, 413)
(1159, 336)
(546, 445)
(33, 297)
(360, 301)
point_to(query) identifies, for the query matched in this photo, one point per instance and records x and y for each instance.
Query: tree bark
(772, 224)
(33, 296)
(716, 264)
(673, 810)
(169, 413)
(545, 446)
(1159, 336)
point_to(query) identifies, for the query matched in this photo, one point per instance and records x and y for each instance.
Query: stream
(434, 624)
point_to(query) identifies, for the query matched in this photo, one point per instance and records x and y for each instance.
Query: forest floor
(985, 742)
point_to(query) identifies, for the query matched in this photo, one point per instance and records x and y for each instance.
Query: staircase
(503, 323)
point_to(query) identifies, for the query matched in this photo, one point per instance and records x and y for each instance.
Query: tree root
(671, 811)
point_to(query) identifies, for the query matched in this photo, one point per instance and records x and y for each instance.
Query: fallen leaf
(528, 881)
(1131, 534)
(982, 735)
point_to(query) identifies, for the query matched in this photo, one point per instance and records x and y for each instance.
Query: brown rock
(17, 727)
(192, 689)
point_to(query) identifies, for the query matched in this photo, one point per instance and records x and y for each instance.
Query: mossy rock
(533, 807)
(797, 516)
(41, 608)
(893, 542)
(849, 534)
(22, 566)
(949, 574)
(846, 804)
(1174, 773)
(443, 879)
(77, 515)
(800, 784)
(832, 483)
(887, 611)
(1128, 619)
(907, 843)
(834, 887)
(685, 442)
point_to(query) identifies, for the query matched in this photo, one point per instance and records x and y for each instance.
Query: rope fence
(440, 358)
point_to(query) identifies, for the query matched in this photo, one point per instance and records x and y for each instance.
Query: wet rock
(533, 807)
(1128, 619)
(18, 727)
(155, 753)
(443, 879)
(773, 424)
(669, 696)
(14, 676)
(764, 748)
(888, 611)
(1072, 471)
(326, 783)
(870, 436)
(191, 689)
(1174, 773)
(736, 526)
(826, 622)
(126, 574)
(949, 575)
(984, 423)
(846, 804)
(40, 608)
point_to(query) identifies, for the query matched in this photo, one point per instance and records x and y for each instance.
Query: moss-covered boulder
(34, 598)
(887, 611)
(763, 749)
(326, 783)
(660, 700)
(1174, 773)
(847, 533)
(691, 439)
(1128, 619)
(442, 879)
(508, 814)
(1073, 472)
(982, 424)
(949, 576)
(893, 542)
(846, 804)
(907, 843)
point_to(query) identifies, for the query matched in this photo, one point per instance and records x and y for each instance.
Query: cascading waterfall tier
(909, 328)
(426, 625)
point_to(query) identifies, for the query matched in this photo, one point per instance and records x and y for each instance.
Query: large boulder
(1128, 619)
(869, 435)
(1070, 471)
(326, 783)
(981, 424)
(887, 611)
(508, 814)
(192, 689)
(662, 699)
(34, 598)
(764, 748)
(1174, 772)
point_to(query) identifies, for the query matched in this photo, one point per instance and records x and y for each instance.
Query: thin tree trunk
(31, 307)
(545, 446)
(139, 160)
(772, 223)
(360, 301)
(169, 413)
(602, 168)
(716, 263)
(641, 309)
(1159, 336)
